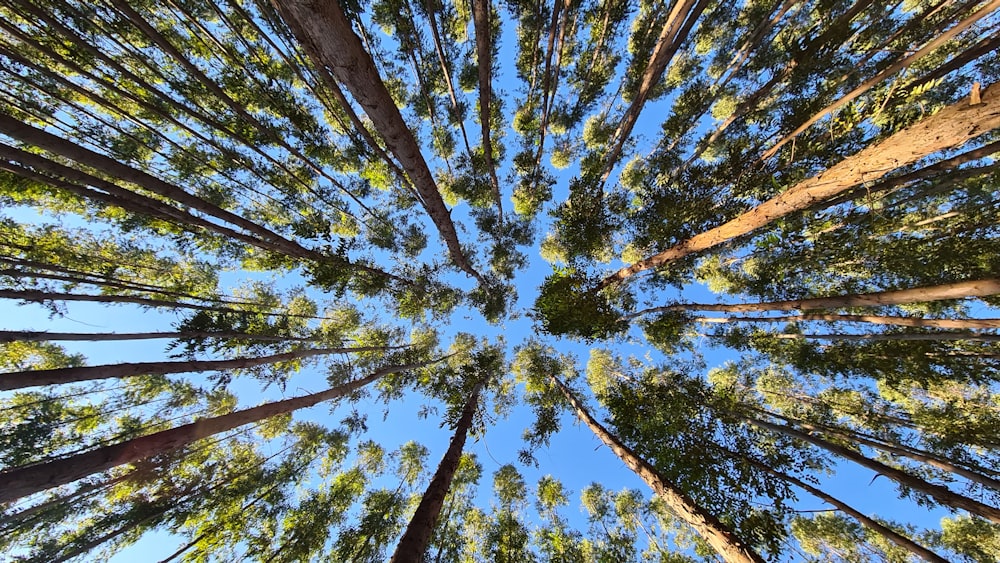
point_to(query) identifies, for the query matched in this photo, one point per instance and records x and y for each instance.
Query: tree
(772, 224)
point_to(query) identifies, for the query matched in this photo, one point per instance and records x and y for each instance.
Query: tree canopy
(749, 249)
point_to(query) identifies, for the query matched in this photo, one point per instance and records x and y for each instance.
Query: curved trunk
(956, 290)
(951, 127)
(940, 493)
(33, 378)
(413, 544)
(23, 481)
(721, 538)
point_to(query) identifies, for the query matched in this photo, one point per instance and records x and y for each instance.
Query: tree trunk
(884, 531)
(906, 61)
(949, 128)
(37, 336)
(940, 493)
(484, 52)
(328, 34)
(24, 481)
(969, 324)
(675, 30)
(68, 149)
(721, 538)
(956, 290)
(57, 376)
(903, 451)
(918, 336)
(413, 544)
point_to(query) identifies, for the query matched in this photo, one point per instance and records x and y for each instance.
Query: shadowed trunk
(24, 481)
(873, 319)
(940, 493)
(324, 29)
(33, 378)
(413, 544)
(721, 538)
(872, 524)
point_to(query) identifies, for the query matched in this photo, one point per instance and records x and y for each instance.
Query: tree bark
(957, 290)
(903, 451)
(68, 149)
(938, 41)
(678, 25)
(413, 544)
(24, 481)
(484, 55)
(884, 531)
(949, 128)
(721, 538)
(920, 336)
(40, 336)
(968, 324)
(940, 493)
(33, 378)
(324, 28)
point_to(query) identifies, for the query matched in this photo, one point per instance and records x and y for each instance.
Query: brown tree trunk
(675, 30)
(940, 493)
(484, 52)
(328, 34)
(969, 324)
(721, 538)
(884, 531)
(932, 45)
(23, 481)
(33, 378)
(949, 128)
(957, 290)
(903, 451)
(68, 149)
(922, 336)
(413, 544)
(39, 336)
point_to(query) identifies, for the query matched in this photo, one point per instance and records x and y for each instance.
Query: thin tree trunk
(940, 493)
(675, 30)
(884, 531)
(904, 451)
(23, 481)
(957, 290)
(413, 544)
(484, 52)
(923, 337)
(968, 324)
(34, 378)
(951, 127)
(938, 41)
(39, 336)
(68, 149)
(720, 537)
(325, 28)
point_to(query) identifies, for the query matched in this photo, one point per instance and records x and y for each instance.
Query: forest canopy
(253, 254)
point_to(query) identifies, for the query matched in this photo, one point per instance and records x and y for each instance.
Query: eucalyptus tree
(286, 189)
